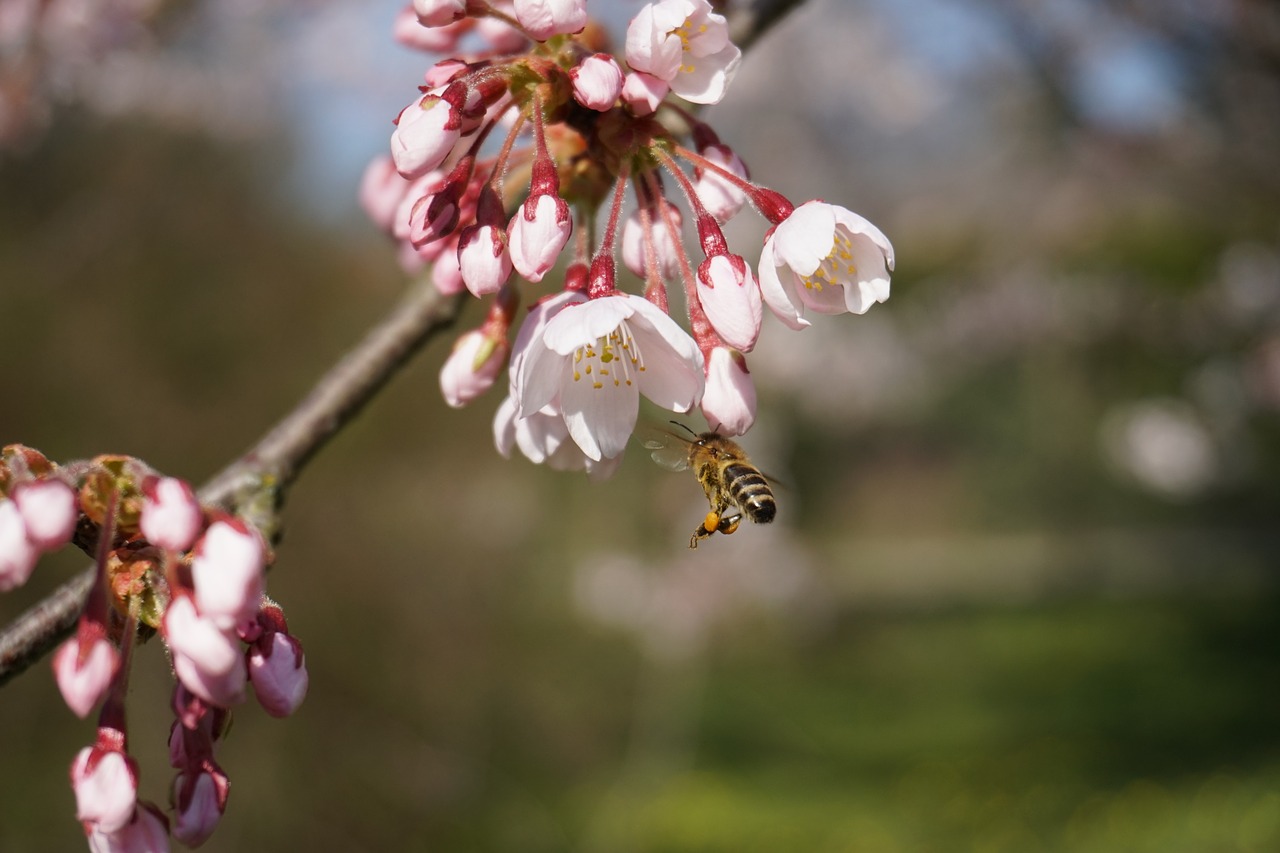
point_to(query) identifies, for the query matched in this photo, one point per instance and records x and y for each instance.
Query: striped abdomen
(750, 491)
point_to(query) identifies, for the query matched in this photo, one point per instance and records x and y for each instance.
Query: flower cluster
(582, 125)
(164, 563)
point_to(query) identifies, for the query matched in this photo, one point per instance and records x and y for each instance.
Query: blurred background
(1022, 590)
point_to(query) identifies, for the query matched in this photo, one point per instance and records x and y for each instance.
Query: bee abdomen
(751, 492)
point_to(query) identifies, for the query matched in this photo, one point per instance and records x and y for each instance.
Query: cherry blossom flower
(827, 259)
(171, 515)
(544, 437)
(685, 44)
(597, 82)
(596, 358)
(84, 675)
(730, 295)
(18, 554)
(106, 788)
(222, 690)
(544, 18)
(227, 572)
(49, 512)
(729, 403)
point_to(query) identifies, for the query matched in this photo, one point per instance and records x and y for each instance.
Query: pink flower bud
(501, 36)
(438, 13)
(444, 71)
(731, 297)
(227, 573)
(643, 92)
(49, 511)
(537, 233)
(18, 555)
(472, 367)
(171, 515)
(729, 402)
(722, 199)
(543, 19)
(410, 32)
(597, 82)
(148, 832)
(198, 807)
(483, 260)
(208, 647)
(106, 788)
(446, 274)
(666, 251)
(382, 190)
(425, 134)
(278, 673)
(84, 678)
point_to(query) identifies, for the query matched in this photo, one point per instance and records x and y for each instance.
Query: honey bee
(726, 474)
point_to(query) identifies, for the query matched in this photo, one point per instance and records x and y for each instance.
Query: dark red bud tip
(773, 206)
(603, 280)
(710, 235)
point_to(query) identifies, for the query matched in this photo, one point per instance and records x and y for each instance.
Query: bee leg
(709, 525)
(730, 524)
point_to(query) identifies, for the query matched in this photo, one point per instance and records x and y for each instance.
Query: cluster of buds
(166, 564)
(599, 124)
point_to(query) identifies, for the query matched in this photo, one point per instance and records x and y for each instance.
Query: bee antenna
(685, 428)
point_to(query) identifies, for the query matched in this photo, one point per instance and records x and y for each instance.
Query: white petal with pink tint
(686, 44)
(462, 379)
(643, 92)
(729, 294)
(483, 260)
(171, 515)
(227, 573)
(49, 512)
(107, 795)
(826, 259)
(666, 251)
(214, 650)
(222, 690)
(545, 18)
(18, 554)
(721, 198)
(729, 403)
(438, 13)
(82, 684)
(146, 833)
(537, 233)
(597, 82)
(425, 134)
(596, 358)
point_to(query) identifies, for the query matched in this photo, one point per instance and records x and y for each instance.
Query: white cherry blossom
(827, 259)
(593, 360)
(684, 43)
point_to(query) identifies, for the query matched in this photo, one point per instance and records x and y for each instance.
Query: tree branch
(273, 463)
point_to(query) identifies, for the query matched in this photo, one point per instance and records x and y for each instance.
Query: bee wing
(667, 449)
